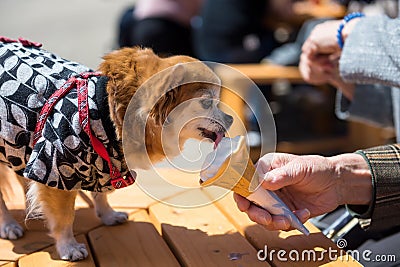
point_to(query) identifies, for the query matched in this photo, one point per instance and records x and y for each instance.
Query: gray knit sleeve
(371, 104)
(370, 54)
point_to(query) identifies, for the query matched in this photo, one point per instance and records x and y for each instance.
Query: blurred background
(82, 31)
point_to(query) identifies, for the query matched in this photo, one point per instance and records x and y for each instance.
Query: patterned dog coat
(63, 157)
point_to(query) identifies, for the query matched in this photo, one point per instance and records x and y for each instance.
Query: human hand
(323, 38)
(323, 69)
(309, 185)
(317, 69)
(319, 61)
(320, 54)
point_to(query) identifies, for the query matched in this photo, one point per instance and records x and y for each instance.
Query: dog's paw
(11, 230)
(114, 217)
(72, 252)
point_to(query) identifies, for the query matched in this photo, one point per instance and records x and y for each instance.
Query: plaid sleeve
(384, 211)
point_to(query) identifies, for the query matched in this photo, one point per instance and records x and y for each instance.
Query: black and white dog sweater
(63, 157)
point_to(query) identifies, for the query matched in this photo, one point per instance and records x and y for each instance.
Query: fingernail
(268, 177)
(265, 220)
(303, 214)
(281, 224)
(306, 213)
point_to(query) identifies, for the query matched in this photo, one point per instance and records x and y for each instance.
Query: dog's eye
(206, 103)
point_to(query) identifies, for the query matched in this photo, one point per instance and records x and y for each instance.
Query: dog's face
(176, 98)
(190, 108)
(198, 116)
(190, 111)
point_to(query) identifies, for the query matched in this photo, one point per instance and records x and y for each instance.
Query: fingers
(259, 215)
(278, 178)
(272, 160)
(309, 47)
(276, 171)
(320, 54)
(316, 69)
(282, 223)
(255, 213)
(264, 218)
(274, 222)
(263, 165)
(242, 203)
(303, 215)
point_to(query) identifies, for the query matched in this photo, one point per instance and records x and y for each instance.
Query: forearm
(354, 182)
(384, 211)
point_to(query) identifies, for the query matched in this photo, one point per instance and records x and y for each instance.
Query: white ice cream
(216, 158)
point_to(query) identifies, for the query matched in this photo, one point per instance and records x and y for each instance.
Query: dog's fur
(196, 115)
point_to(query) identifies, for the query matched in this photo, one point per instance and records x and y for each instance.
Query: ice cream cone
(230, 167)
(235, 173)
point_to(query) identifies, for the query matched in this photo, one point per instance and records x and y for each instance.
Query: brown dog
(62, 156)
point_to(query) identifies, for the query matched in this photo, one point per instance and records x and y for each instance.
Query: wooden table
(157, 234)
(266, 74)
(325, 9)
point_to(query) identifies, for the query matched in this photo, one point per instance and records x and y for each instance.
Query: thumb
(277, 178)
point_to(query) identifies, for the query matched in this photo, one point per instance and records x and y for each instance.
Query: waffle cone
(237, 173)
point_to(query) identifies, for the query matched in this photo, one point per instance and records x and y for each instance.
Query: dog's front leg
(9, 228)
(58, 207)
(104, 211)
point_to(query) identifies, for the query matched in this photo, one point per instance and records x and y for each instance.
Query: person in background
(237, 31)
(163, 25)
(366, 82)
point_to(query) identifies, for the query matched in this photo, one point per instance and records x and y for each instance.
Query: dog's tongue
(220, 135)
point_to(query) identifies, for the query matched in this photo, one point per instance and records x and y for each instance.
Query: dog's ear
(168, 101)
(175, 76)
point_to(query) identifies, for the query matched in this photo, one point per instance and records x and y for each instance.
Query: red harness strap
(23, 41)
(81, 83)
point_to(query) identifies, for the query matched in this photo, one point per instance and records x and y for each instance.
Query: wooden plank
(8, 264)
(150, 186)
(135, 243)
(129, 197)
(228, 207)
(11, 250)
(313, 250)
(264, 73)
(202, 236)
(324, 9)
(49, 257)
(85, 220)
(36, 233)
(287, 241)
(135, 196)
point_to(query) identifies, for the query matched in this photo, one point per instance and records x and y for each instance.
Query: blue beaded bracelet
(346, 19)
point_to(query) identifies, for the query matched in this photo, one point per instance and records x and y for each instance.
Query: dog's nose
(228, 119)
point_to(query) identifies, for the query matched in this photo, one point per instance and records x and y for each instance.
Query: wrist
(354, 181)
(348, 28)
(347, 22)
